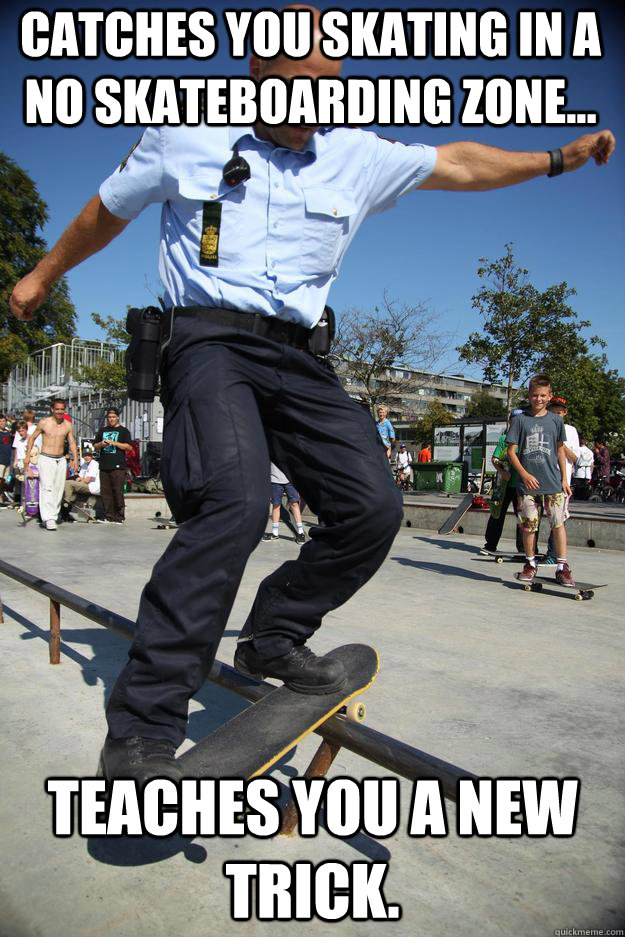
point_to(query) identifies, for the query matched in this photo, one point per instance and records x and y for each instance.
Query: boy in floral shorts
(536, 450)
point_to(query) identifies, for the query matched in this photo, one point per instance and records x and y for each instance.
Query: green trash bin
(428, 476)
(452, 477)
(438, 476)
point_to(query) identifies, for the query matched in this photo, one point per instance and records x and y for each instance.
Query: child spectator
(538, 437)
(5, 458)
(280, 485)
(558, 406)
(507, 481)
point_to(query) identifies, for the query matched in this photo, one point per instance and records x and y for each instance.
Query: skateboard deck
(85, 513)
(456, 515)
(164, 523)
(580, 591)
(502, 556)
(250, 743)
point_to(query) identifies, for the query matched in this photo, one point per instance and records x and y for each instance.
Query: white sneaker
(50, 525)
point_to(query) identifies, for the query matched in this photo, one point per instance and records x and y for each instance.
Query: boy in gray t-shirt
(535, 449)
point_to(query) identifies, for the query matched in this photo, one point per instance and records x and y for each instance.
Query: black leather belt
(277, 330)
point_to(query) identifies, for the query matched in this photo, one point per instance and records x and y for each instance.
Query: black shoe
(300, 538)
(300, 669)
(270, 537)
(138, 758)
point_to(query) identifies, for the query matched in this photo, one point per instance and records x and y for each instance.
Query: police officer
(247, 260)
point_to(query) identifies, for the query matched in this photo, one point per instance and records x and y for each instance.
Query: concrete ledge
(605, 533)
(140, 505)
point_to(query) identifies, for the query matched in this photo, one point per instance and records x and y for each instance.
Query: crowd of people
(42, 475)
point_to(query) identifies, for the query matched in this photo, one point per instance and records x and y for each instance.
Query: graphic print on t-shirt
(113, 435)
(536, 443)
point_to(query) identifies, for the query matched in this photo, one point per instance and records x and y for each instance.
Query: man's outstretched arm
(473, 167)
(88, 233)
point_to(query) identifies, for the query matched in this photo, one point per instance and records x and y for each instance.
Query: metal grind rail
(337, 732)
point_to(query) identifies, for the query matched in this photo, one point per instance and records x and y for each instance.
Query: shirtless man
(52, 465)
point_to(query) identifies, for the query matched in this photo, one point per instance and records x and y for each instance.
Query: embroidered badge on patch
(209, 243)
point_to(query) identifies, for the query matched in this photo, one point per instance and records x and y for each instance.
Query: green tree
(483, 406)
(595, 393)
(520, 323)
(108, 376)
(395, 337)
(435, 415)
(22, 214)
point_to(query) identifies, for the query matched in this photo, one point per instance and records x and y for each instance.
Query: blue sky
(425, 250)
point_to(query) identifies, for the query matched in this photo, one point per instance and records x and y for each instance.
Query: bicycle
(602, 491)
(402, 480)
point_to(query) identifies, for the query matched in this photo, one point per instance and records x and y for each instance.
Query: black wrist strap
(557, 162)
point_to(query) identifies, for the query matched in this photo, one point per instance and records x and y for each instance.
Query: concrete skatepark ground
(474, 670)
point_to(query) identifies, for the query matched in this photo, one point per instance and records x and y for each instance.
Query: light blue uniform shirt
(283, 232)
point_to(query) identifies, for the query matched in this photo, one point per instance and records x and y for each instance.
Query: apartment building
(408, 393)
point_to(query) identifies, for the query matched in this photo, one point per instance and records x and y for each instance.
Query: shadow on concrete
(445, 570)
(109, 655)
(219, 706)
(146, 850)
(449, 544)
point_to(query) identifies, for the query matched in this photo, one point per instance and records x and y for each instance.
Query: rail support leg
(318, 768)
(1, 612)
(55, 632)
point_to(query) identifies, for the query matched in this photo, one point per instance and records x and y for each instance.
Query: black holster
(143, 354)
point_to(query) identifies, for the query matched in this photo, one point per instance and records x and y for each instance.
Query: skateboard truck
(321, 763)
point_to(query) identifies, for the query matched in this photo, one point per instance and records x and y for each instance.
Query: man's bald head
(314, 65)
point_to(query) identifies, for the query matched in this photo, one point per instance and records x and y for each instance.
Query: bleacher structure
(54, 372)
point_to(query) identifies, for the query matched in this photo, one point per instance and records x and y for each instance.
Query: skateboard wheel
(356, 711)
(499, 559)
(579, 596)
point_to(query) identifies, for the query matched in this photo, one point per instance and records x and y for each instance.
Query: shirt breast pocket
(328, 213)
(213, 215)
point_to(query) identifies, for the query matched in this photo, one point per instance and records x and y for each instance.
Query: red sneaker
(564, 576)
(527, 573)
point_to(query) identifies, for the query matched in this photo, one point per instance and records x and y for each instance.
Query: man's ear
(255, 67)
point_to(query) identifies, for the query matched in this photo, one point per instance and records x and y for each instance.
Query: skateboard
(580, 591)
(164, 523)
(250, 743)
(456, 515)
(89, 516)
(502, 556)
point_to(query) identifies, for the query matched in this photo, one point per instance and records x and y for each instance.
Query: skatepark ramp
(338, 731)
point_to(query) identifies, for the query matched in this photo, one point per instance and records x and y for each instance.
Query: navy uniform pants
(233, 401)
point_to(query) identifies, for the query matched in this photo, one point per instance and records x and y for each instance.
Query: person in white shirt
(585, 461)
(582, 471)
(20, 445)
(558, 405)
(404, 461)
(28, 417)
(87, 483)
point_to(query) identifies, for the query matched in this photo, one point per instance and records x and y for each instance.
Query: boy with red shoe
(536, 450)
